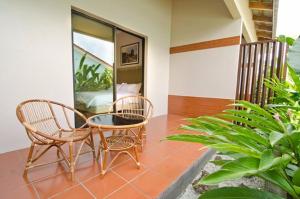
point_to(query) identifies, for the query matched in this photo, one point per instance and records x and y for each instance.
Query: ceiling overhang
(263, 17)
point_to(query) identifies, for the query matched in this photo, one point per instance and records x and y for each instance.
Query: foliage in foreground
(238, 192)
(263, 142)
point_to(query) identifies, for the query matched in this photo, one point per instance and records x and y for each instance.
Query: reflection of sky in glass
(98, 47)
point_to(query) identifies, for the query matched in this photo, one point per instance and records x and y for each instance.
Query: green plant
(88, 79)
(238, 192)
(263, 142)
(106, 79)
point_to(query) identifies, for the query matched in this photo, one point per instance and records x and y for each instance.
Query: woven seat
(120, 142)
(75, 135)
(48, 123)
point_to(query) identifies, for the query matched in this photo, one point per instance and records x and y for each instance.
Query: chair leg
(71, 160)
(104, 162)
(57, 153)
(141, 137)
(93, 146)
(29, 159)
(137, 156)
(98, 153)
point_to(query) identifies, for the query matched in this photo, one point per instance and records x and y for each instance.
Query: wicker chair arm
(74, 110)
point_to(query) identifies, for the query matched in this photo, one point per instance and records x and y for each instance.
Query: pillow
(119, 86)
(131, 88)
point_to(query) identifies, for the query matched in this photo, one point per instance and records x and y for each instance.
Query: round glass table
(116, 120)
(119, 132)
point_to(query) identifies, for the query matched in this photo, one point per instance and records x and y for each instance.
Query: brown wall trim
(195, 106)
(229, 41)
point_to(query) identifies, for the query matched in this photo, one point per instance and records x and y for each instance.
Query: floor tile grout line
(140, 191)
(120, 186)
(94, 176)
(109, 170)
(146, 170)
(118, 164)
(90, 192)
(47, 177)
(66, 189)
(116, 190)
(119, 176)
(130, 181)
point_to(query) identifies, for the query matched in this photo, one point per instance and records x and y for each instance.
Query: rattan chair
(135, 105)
(48, 123)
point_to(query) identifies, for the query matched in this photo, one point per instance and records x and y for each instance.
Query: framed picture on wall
(130, 54)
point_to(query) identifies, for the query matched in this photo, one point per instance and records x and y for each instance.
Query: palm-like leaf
(88, 77)
(238, 192)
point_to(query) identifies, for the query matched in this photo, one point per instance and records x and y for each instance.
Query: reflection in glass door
(129, 64)
(93, 61)
(108, 64)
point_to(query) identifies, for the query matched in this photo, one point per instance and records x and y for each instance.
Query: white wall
(36, 52)
(195, 21)
(288, 18)
(203, 73)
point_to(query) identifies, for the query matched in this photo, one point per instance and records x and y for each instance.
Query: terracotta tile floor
(161, 164)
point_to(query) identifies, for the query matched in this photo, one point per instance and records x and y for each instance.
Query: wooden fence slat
(279, 60)
(253, 86)
(274, 44)
(284, 61)
(257, 61)
(264, 88)
(260, 74)
(247, 96)
(238, 83)
(242, 76)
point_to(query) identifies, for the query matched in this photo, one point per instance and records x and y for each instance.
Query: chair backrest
(40, 118)
(133, 105)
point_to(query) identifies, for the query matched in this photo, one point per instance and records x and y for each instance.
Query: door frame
(115, 27)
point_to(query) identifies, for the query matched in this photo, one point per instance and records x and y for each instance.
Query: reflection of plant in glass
(106, 79)
(267, 144)
(88, 79)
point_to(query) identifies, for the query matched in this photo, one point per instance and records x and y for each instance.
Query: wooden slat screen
(258, 61)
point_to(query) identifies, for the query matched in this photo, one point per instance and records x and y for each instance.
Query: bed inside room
(108, 65)
(100, 101)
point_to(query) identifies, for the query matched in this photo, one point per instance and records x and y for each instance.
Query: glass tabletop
(116, 119)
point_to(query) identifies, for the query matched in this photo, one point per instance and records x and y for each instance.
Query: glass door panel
(93, 65)
(129, 64)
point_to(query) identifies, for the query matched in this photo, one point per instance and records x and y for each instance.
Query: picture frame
(129, 54)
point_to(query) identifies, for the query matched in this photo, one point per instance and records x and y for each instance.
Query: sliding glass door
(108, 64)
(129, 64)
(93, 65)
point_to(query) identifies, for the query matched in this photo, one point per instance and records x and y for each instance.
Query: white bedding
(102, 100)
(94, 98)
